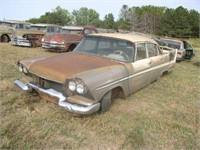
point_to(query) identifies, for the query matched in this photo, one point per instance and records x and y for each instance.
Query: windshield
(38, 28)
(120, 50)
(171, 43)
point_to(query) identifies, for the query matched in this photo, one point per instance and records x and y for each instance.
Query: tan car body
(7, 31)
(31, 37)
(98, 75)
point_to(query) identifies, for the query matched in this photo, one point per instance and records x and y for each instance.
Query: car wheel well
(108, 98)
(164, 73)
(5, 38)
(117, 93)
(71, 47)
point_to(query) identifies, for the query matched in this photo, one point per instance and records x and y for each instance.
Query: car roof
(14, 21)
(72, 27)
(43, 25)
(78, 27)
(129, 37)
(172, 39)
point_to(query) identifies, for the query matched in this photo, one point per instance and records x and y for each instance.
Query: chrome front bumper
(20, 42)
(62, 100)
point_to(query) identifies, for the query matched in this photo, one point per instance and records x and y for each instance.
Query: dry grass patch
(164, 115)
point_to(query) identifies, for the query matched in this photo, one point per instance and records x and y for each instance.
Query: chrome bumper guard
(72, 108)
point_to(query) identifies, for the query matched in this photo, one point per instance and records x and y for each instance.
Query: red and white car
(68, 39)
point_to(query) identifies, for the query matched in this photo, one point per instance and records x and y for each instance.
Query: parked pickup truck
(68, 39)
(102, 67)
(33, 36)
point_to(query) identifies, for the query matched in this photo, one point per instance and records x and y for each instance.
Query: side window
(19, 26)
(141, 51)
(152, 49)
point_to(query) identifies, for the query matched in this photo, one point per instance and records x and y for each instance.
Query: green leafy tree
(194, 20)
(124, 18)
(85, 16)
(57, 16)
(175, 23)
(109, 21)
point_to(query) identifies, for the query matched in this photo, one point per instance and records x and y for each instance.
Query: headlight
(63, 42)
(23, 69)
(42, 39)
(20, 68)
(80, 88)
(72, 85)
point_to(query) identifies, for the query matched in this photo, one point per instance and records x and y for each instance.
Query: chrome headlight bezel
(72, 85)
(23, 69)
(77, 85)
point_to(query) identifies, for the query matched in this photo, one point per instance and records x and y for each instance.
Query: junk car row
(98, 67)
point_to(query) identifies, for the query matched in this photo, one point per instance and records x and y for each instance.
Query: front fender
(100, 81)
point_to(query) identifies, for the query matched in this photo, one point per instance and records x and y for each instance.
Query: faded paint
(63, 41)
(54, 68)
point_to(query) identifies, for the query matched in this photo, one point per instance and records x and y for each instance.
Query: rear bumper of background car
(62, 100)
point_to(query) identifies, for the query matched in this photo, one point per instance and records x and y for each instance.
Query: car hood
(62, 37)
(61, 67)
(5, 29)
(23, 32)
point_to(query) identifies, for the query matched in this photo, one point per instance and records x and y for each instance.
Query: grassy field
(164, 115)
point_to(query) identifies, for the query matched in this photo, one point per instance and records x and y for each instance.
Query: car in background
(33, 36)
(102, 67)
(184, 48)
(68, 39)
(7, 27)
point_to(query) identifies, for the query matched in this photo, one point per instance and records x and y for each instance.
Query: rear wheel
(4, 38)
(106, 102)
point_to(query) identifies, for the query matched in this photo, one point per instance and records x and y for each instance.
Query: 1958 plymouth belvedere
(101, 67)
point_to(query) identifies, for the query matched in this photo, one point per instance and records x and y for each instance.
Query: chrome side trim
(72, 108)
(134, 75)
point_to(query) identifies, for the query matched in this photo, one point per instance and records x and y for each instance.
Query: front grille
(46, 84)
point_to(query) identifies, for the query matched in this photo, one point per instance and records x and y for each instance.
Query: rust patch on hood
(60, 67)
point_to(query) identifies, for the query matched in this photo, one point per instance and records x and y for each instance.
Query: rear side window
(152, 49)
(141, 51)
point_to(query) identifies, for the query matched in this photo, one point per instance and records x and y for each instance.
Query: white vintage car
(101, 67)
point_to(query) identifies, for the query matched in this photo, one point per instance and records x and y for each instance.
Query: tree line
(163, 21)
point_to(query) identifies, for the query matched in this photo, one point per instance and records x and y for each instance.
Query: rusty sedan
(184, 48)
(68, 39)
(7, 27)
(33, 36)
(102, 67)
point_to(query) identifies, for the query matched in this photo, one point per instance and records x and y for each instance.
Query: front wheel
(106, 102)
(4, 38)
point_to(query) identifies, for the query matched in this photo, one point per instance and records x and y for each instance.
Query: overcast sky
(26, 9)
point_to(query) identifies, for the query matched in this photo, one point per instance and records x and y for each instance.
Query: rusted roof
(14, 21)
(129, 37)
(44, 25)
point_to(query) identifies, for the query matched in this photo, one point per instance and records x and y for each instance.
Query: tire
(4, 39)
(71, 48)
(106, 102)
